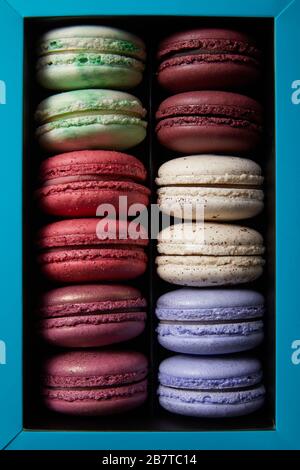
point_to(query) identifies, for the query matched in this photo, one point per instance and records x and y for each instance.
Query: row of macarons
(79, 316)
(93, 56)
(193, 122)
(75, 184)
(204, 324)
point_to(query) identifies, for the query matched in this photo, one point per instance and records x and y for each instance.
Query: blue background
(287, 69)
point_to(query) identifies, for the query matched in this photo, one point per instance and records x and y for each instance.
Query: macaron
(209, 122)
(211, 387)
(93, 315)
(88, 250)
(208, 59)
(226, 188)
(75, 184)
(90, 119)
(90, 56)
(210, 321)
(209, 254)
(95, 383)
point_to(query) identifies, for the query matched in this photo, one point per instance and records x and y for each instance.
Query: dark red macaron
(75, 184)
(88, 250)
(209, 122)
(94, 315)
(208, 59)
(93, 383)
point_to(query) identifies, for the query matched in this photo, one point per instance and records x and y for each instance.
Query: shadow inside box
(151, 416)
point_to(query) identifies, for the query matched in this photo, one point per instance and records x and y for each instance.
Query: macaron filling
(210, 46)
(222, 383)
(211, 314)
(94, 381)
(98, 394)
(88, 101)
(197, 329)
(90, 59)
(213, 397)
(92, 44)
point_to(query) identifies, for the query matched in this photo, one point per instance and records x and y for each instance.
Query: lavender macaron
(210, 321)
(211, 387)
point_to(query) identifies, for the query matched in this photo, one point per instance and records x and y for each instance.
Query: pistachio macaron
(90, 119)
(225, 188)
(209, 254)
(90, 56)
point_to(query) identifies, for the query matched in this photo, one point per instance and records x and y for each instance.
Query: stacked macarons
(210, 190)
(84, 130)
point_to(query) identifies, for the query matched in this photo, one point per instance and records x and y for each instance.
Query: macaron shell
(217, 203)
(90, 265)
(210, 304)
(71, 71)
(79, 101)
(97, 402)
(84, 198)
(95, 132)
(90, 298)
(93, 330)
(93, 38)
(91, 232)
(209, 271)
(88, 162)
(210, 373)
(209, 404)
(210, 340)
(210, 170)
(210, 239)
(207, 72)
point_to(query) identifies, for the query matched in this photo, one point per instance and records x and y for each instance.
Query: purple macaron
(211, 387)
(210, 321)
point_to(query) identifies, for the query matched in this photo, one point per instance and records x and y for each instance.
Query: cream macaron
(209, 254)
(90, 119)
(225, 188)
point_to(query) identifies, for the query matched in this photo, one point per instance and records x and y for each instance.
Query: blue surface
(11, 225)
(286, 435)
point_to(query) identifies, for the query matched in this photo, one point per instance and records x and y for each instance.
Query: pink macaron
(209, 122)
(93, 383)
(91, 315)
(75, 184)
(88, 250)
(208, 59)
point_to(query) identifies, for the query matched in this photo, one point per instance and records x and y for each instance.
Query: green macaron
(90, 119)
(90, 57)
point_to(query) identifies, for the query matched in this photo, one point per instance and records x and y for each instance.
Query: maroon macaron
(88, 250)
(75, 184)
(209, 122)
(91, 315)
(208, 59)
(93, 383)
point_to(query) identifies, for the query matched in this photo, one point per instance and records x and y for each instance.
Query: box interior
(151, 417)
